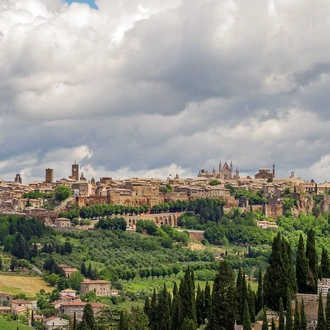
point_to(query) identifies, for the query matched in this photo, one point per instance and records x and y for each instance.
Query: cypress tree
(153, 311)
(243, 297)
(246, 317)
(296, 323)
(264, 319)
(320, 315)
(83, 325)
(89, 272)
(175, 309)
(327, 312)
(88, 317)
(200, 306)
(74, 325)
(163, 312)
(251, 299)
(279, 274)
(83, 269)
(239, 289)
(311, 255)
(281, 321)
(32, 318)
(288, 315)
(188, 324)
(273, 324)
(301, 267)
(147, 307)
(260, 298)
(325, 264)
(207, 300)
(292, 285)
(303, 320)
(122, 321)
(187, 304)
(239, 280)
(224, 300)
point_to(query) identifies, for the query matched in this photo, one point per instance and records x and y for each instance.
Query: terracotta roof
(95, 282)
(74, 303)
(21, 301)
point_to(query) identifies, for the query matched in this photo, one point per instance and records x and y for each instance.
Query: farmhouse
(100, 287)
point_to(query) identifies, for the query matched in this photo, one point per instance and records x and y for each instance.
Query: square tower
(75, 172)
(49, 175)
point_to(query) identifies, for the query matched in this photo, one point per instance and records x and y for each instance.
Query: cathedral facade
(225, 172)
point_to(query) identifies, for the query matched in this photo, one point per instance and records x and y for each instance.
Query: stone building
(265, 173)
(323, 286)
(100, 287)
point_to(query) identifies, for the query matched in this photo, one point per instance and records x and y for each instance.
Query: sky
(150, 88)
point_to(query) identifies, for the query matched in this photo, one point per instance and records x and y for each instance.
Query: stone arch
(170, 220)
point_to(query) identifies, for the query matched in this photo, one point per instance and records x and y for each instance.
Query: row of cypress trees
(181, 310)
(281, 276)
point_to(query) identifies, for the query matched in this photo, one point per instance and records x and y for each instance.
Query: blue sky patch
(91, 3)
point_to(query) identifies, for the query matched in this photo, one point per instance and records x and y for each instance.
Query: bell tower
(75, 172)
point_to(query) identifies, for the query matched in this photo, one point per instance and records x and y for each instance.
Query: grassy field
(29, 285)
(12, 325)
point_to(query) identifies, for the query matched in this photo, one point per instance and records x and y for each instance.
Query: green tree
(175, 308)
(260, 298)
(321, 325)
(327, 312)
(303, 320)
(153, 311)
(207, 300)
(62, 193)
(251, 299)
(88, 317)
(187, 305)
(214, 182)
(188, 324)
(74, 325)
(74, 280)
(137, 319)
(200, 306)
(20, 248)
(224, 300)
(163, 317)
(122, 321)
(246, 317)
(279, 276)
(296, 323)
(264, 319)
(311, 255)
(301, 267)
(273, 325)
(325, 264)
(288, 315)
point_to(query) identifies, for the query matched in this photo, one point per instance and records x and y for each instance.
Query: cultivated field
(29, 285)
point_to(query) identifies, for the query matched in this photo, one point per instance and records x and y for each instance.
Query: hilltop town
(134, 192)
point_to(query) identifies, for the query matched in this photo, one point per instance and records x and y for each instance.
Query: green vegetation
(12, 325)
(62, 193)
(38, 194)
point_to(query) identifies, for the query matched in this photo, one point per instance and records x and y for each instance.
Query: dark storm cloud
(151, 87)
